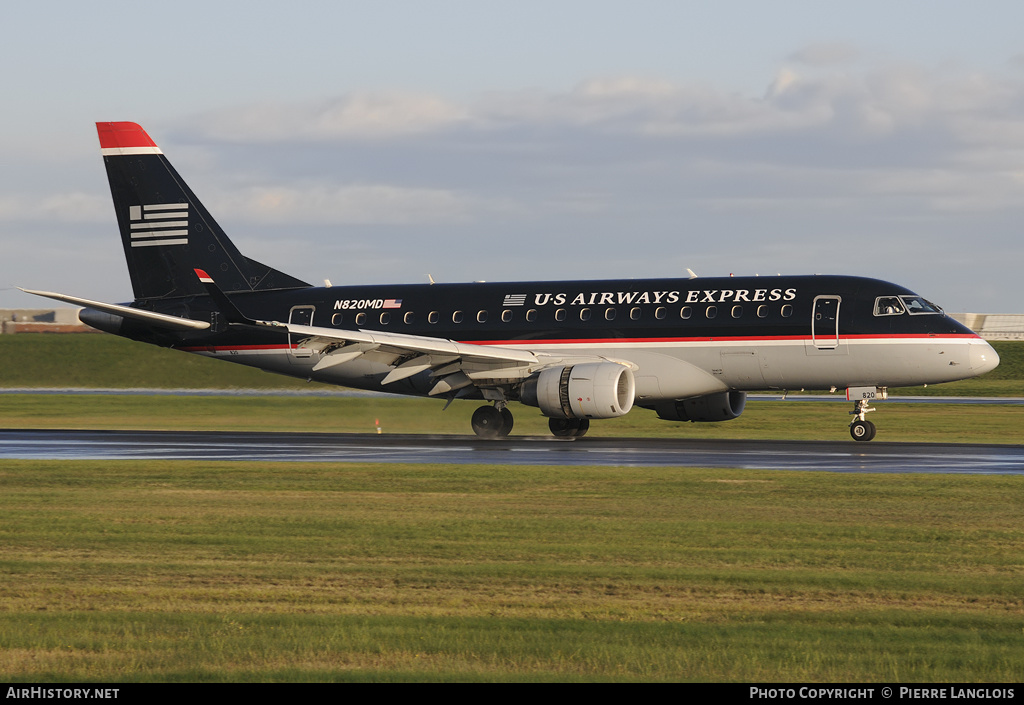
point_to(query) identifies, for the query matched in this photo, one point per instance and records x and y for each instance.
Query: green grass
(39, 360)
(106, 361)
(788, 420)
(194, 571)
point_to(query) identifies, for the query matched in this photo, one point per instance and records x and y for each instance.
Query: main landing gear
(492, 421)
(496, 422)
(860, 428)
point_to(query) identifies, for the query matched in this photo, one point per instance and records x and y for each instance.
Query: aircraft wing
(454, 365)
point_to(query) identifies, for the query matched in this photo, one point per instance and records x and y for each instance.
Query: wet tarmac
(842, 456)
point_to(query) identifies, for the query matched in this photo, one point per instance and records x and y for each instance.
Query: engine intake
(723, 406)
(592, 390)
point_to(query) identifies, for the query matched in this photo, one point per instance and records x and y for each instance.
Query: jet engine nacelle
(723, 406)
(591, 390)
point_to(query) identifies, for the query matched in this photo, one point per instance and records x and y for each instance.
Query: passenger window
(360, 319)
(787, 311)
(433, 317)
(531, 315)
(458, 316)
(560, 314)
(506, 316)
(409, 317)
(712, 311)
(634, 313)
(481, 316)
(336, 319)
(762, 311)
(585, 314)
(385, 318)
(659, 312)
(609, 314)
(737, 311)
(685, 312)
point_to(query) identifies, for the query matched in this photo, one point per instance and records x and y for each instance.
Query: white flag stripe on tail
(166, 215)
(161, 224)
(159, 233)
(151, 243)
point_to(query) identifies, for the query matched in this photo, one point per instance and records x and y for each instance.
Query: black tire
(862, 430)
(563, 428)
(488, 422)
(507, 422)
(569, 428)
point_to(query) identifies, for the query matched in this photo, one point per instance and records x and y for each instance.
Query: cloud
(884, 102)
(378, 115)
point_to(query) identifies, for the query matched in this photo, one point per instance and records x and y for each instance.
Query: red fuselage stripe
(638, 341)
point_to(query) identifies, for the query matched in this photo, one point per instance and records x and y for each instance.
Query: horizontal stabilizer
(160, 320)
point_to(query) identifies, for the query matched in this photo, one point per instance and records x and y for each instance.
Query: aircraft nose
(982, 357)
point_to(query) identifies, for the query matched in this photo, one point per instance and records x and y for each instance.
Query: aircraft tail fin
(166, 231)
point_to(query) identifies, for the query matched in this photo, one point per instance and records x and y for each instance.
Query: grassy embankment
(42, 361)
(106, 361)
(130, 570)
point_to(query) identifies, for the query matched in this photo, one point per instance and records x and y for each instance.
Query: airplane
(688, 349)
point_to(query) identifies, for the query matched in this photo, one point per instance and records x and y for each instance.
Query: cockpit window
(916, 305)
(888, 306)
(898, 305)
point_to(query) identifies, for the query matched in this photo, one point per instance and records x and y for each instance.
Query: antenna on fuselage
(431, 279)
(691, 273)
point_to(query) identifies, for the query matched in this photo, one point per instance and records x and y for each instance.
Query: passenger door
(300, 316)
(825, 322)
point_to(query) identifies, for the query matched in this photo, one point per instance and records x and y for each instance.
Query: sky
(382, 142)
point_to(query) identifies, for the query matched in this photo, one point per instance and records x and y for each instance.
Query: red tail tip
(122, 135)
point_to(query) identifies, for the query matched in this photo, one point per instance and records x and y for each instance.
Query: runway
(844, 456)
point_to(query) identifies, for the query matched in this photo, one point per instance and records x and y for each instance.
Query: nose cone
(982, 357)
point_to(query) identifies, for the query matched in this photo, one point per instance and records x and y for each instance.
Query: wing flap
(413, 344)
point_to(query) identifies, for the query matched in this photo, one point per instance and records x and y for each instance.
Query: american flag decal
(514, 300)
(392, 303)
(159, 224)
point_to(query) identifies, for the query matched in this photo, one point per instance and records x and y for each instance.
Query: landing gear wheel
(507, 420)
(862, 430)
(489, 422)
(568, 428)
